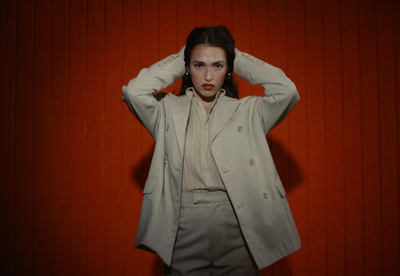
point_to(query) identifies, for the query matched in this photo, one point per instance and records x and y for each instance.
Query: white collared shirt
(199, 169)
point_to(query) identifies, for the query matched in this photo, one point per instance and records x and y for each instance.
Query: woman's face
(208, 68)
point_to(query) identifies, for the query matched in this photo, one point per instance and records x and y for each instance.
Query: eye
(198, 65)
(219, 65)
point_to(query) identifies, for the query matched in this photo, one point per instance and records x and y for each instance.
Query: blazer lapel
(180, 108)
(224, 110)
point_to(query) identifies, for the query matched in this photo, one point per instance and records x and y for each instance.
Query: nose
(208, 76)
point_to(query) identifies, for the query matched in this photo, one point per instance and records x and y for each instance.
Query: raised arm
(280, 92)
(139, 93)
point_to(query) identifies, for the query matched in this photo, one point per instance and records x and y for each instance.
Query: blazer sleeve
(139, 94)
(280, 92)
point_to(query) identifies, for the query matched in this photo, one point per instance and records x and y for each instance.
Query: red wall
(74, 160)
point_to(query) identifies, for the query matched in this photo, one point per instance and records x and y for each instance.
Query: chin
(207, 94)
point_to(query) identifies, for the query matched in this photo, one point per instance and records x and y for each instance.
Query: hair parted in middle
(214, 36)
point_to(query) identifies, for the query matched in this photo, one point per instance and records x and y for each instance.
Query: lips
(208, 86)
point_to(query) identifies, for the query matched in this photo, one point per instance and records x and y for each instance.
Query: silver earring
(187, 74)
(228, 75)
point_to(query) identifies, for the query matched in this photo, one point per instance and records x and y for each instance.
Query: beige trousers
(209, 240)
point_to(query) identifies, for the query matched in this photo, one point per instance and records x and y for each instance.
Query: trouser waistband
(203, 196)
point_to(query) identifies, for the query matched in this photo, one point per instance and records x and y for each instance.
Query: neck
(206, 105)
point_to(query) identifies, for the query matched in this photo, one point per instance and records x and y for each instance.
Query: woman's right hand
(237, 51)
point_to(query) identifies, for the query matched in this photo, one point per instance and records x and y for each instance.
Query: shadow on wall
(286, 164)
(141, 170)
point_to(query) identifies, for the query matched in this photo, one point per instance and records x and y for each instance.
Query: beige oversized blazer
(240, 150)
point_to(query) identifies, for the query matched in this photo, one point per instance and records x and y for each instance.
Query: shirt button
(252, 162)
(167, 127)
(265, 195)
(240, 128)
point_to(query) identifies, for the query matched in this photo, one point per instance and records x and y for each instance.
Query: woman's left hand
(181, 52)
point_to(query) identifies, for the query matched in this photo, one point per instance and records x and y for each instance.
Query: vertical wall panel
(205, 14)
(95, 156)
(334, 137)
(397, 70)
(241, 32)
(113, 154)
(353, 179)
(23, 138)
(259, 38)
(370, 139)
(41, 139)
(75, 160)
(316, 112)
(186, 18)
(77, 139)
(223, 13)
(59, 207)
(8, 15)
(169, 43)
(389, 178)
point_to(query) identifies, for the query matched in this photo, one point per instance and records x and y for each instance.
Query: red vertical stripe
(334, 137)
(241, 32)
(169, 43)
(95, 156)
(316, 138)
(23, 138)
(371, 140)
(8, 15)
(41, 139)
(353, 171)
(397, 68)
(223, 13)
(389, 140)
(186, 18)
(113, 154)
(77, 138)
(59, 140)
(205, 13)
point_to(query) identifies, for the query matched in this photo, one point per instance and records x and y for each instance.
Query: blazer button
(240, 128)
(265, 195)
(167, 127)
(252, 162)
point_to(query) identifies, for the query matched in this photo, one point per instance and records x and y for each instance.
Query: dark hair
(213, 36)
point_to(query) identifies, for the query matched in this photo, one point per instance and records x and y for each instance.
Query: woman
(213, 202)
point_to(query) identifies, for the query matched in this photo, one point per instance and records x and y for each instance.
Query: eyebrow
(215, 62)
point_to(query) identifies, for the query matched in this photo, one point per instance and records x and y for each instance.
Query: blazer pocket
(151, 183)
(280, 188)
